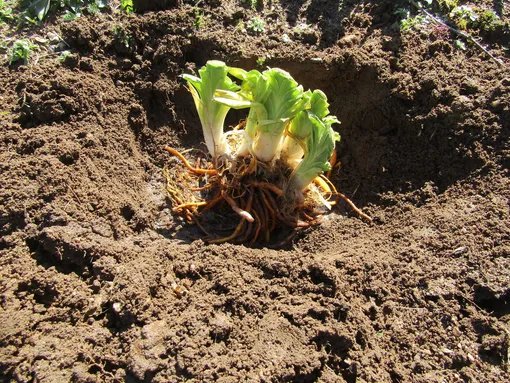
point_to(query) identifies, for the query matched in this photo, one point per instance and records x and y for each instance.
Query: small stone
(179, 290)
(460, 250)
(117, 307)
(496, 105)
(346, 362)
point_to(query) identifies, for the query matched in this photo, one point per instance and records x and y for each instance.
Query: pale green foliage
(213, 76)
(62, 57)
(283, 120)
(301, 126)
(447, 5)
(463, 16)
(261, 61)
(285, 100)
(489, 21)
(459, 44)
(274, 98)
(320, 144)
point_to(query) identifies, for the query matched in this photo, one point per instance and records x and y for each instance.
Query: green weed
(6, 11)
(62, 57)
(411, 23)
(459, 44)
(122, 38)
(261, 61)
(39, 9)
(463, 16)
(489, 21)
(302, 28)
(408, 22)
(70, 16)
(199, 18)
(256, 25)
(447, 5)
(127, 6)
(21, 50)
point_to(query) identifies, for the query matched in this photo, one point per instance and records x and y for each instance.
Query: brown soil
(93, 264)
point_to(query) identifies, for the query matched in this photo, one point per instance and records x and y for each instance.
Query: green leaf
(294, 144)
(40, 8)
(319, 148)
(232, 99)
(319, 104)
(75, 6)
(213, 77)
(126, 6)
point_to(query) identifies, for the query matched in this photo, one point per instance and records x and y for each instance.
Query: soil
(101, 283)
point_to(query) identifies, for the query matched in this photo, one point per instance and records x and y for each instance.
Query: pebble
(460, 250)
(117, 307)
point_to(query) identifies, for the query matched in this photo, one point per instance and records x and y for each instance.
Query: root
(187, 164)
(242, 213)
(248, 205)
(205, 187)
(324, 185)
(201, 227)
(257, 230)
(353, 207)
(230, 237)
(332, 163)
(279, 192)
(188, 205)
(212, 203)
(252, 168)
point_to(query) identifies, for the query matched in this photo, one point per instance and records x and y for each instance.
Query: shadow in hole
(171, 117)
(337, 348)
(186, 233)
(382, 149)
(496, 305)
(494, 343)
(65, 258)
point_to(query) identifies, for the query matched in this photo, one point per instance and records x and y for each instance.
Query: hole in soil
(383, 152)
(127, 212)
(498, 306)
(43, 292)
(69, 158)
(333, 344)
(64, 258)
